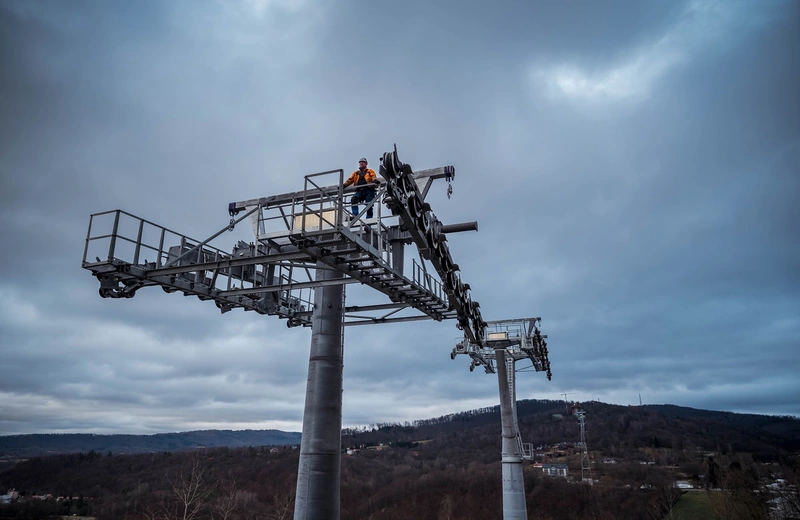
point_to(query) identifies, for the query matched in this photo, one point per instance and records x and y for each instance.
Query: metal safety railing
(323, 208)
(527, 451)
(117, 235)
(127, 252)
(422, 277)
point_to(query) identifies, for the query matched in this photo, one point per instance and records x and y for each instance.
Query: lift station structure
(506, 342)
(307, 248)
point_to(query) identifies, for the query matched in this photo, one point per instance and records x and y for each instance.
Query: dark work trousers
(364, 195)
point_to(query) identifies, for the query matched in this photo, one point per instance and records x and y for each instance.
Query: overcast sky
(633, 167)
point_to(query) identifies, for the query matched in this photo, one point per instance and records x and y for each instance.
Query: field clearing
(693, 506)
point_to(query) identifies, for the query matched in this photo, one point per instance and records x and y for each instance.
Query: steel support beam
(325, 191)
(514, 507)
(318, 474)
(374, 321)
(224, 264)
(288, 286)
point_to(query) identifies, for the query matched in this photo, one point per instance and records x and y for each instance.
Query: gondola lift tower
(307, 247)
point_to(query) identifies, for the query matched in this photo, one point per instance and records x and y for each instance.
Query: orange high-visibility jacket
(355, 178)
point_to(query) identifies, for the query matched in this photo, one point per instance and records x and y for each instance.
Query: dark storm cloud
(632, 167)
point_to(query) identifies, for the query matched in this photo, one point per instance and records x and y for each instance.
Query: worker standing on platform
(366, 179)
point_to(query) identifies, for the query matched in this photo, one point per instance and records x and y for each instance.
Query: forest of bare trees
(441, 468)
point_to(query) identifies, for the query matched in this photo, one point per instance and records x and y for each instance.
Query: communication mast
(586, 468)
(505, 342)
(307, 247)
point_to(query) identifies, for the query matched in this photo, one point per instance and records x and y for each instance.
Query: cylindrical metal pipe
(462, 226)
(514, 507)
(318, 473)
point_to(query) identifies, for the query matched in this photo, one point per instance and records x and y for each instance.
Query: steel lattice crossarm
(297, 235)
(520, 338)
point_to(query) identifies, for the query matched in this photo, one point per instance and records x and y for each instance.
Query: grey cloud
(656, 238)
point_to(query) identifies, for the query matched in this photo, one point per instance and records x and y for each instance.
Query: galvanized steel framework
(505, 343)
(306, 248)
(586, 467)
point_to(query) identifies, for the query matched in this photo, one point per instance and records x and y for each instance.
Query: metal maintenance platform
(520, 338)
(295, 235)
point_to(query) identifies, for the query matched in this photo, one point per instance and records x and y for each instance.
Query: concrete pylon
(514, 507)
(319, 471)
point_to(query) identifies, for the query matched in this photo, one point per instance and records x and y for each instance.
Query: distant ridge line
(37, 444)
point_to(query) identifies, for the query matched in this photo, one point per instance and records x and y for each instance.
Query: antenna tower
(586, 469)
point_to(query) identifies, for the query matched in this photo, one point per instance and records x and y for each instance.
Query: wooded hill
(607, 427)
(446, 467)
(20, 446)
